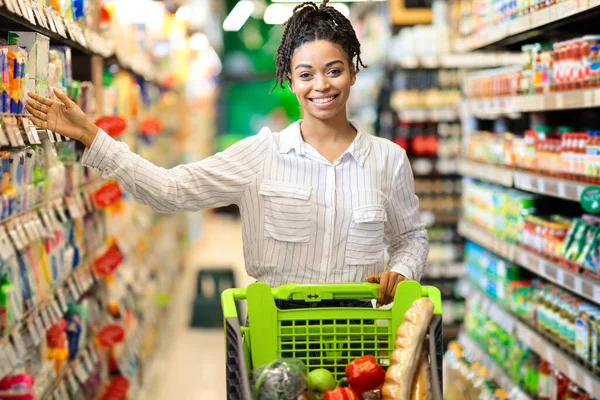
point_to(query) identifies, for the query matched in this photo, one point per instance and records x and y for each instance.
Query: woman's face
(321, 78)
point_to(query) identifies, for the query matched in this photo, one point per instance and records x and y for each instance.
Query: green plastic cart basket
(320, 337)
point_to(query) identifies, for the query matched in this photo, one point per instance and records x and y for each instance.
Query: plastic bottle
(544, 380)
(573, 392)
(583, 333)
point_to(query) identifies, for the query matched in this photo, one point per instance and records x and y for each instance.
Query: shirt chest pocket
(287, 211)
(366, 235)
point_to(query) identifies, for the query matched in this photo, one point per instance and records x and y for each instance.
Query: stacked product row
(85, 274)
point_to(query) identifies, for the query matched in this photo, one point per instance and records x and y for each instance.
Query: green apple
(321, 380)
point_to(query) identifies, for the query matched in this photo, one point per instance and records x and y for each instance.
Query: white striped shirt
(304, 219)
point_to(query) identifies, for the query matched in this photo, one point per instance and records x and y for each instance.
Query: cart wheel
(238, 386)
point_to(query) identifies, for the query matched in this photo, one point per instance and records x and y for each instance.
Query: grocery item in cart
(406, 358)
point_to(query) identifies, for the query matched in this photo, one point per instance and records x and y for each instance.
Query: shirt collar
(291, 139)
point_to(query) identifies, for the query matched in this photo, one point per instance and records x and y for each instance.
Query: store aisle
(192, 363)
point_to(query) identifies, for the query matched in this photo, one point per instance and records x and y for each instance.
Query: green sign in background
(248, 76)
(590, 199)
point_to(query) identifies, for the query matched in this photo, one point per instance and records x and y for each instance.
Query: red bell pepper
(341, 393)
(364, 374)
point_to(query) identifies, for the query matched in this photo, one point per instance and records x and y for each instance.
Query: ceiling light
(277, 14)
(199, 42)
(333, 1)
(238, 16)
(183, 13)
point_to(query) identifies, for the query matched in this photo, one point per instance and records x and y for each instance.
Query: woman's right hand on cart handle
(388, 281)
(63, 117)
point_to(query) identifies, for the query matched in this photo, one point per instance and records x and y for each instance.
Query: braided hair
(308, 23)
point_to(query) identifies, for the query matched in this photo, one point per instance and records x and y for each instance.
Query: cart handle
(309, 293)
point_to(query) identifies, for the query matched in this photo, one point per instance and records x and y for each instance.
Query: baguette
(421, 386)
(406, 356)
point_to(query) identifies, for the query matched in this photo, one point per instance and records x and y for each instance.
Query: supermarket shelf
(491, 108)
(424, 166)
(47, 22)
(523, 28)
(471, 60)
(435, 114)
(486, 172)
(582, 286)
(560, 188)
(495, 372)
(489, 241)
(539, 344)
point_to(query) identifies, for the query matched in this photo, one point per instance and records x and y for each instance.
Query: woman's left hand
(388, 281)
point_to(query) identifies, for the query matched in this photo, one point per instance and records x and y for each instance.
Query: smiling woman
(319, 200)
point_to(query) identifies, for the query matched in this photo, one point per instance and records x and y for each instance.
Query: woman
(317, 199)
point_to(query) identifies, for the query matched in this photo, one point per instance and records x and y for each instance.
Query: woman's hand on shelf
(388, 281)
(63, 117)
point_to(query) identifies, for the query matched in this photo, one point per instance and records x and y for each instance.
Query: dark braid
(309, 23)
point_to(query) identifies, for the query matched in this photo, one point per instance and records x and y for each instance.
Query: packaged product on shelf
(500, 210)
(14, 85)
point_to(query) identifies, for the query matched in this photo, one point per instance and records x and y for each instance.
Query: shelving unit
(85, 43)
(493, 107)
(460, 61)
(530, 182)
(534, 340)
(495, 372)
(526, 27)
(83, 239)
(576, 283)
(538, 115)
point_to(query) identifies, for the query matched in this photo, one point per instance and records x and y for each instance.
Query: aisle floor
(192, 364)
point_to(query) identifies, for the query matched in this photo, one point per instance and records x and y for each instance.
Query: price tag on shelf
(5, 366)
(41, 228)
(57, 311)
(560, 276)
(16, 239)
(578, 285)
(4, 142)
(33, 332)
(11, 354)
(23, 9)
(46, 11)
(542, 270)
(31, 231)
(571, 372)
(30, 130)
(541, 185)
(62, 388)
(13, 7)
(93, 355)
(39, 15)
(559, 98)
(19, 343)
(62, 300)
(73, 289)
(46, 318)
(22, 232)
(61, 211)
(30, 12)
(72, 382)
(87, 360)
(597, 294)
(73, 206)
(14, 134)
(81, 373)
(37, 320)
(588, 386)
(549, 355)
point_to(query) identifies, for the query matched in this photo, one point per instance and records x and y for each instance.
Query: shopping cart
(320, 337)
